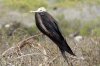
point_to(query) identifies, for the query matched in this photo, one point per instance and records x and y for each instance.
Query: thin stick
(29, 55)
(22, 44)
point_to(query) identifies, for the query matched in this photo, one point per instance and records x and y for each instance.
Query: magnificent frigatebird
(48, 26)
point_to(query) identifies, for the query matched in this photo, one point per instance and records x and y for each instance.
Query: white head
(41, 9)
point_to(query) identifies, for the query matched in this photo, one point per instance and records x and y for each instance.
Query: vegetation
(22, 49)
(90, 28)
(25, 4)
(73, 3)
(96, 31)
(31, 4)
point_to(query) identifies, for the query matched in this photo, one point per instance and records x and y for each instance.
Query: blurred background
(73, 15)
(79, 22)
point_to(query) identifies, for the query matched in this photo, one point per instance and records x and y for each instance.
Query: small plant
(96, 31)
(85, 30)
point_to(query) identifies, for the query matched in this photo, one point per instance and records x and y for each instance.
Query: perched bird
(48, 26)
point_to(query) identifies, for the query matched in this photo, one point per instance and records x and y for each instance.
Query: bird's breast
(40, 24)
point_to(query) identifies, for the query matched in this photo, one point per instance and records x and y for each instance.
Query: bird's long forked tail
(66, 57)
(66, 48)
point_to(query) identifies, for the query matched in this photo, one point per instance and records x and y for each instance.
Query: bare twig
(29, 55)
(22, 43)
(45, 55)
(7, 51)
(49, 62)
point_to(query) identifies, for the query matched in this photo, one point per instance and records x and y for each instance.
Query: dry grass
(20, 49)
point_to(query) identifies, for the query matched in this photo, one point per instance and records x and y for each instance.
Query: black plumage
(48, 26)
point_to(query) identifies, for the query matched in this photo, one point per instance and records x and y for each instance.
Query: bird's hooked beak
(33, 11)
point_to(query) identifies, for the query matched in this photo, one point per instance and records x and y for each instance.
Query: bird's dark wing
(51, 25)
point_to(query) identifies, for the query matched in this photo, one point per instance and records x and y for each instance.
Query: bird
(49, 27)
